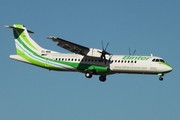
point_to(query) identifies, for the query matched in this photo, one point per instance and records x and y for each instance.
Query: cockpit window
(161, 60)
(158, 60)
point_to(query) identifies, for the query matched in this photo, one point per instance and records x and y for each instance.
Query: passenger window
(69, 59)
(131, 61)
(115, 61)
(121, 61)
(128, 61)
(75, 59)
(153, 60)
(118, 61)
(135, 61)
(62, 59)
(72, 59)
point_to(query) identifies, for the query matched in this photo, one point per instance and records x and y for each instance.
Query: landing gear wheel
(88, 75)
(102, 78)
(161, 78)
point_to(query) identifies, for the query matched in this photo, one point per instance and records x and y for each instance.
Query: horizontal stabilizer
(6, 26)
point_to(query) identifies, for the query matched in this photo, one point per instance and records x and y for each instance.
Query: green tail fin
(23, 42)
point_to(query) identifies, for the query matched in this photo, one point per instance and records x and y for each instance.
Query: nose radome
(168, 68)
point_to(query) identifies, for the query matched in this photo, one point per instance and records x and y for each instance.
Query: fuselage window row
(96, 60)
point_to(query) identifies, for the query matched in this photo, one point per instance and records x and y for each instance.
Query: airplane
(89, 61)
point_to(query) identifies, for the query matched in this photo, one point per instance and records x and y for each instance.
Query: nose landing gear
(88, 75)
(160, 76)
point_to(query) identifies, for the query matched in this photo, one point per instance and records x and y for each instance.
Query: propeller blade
(106, 46)
(134, 52)
(129, 51)
(102, 45)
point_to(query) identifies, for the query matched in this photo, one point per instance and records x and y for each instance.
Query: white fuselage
(116, 63)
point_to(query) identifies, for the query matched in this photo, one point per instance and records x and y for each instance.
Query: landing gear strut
(102, 78)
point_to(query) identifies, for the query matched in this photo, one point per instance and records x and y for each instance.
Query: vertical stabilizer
(23, 42)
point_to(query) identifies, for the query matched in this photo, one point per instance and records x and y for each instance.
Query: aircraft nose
(169, 68)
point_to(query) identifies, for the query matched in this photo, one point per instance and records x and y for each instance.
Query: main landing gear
(102, 78)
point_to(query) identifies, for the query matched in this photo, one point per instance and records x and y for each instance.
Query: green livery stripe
(19, 52)
(24, 45)
(27, 41)
(165, 64)
(23, 35)
(18, 25)
(37, 55)
(36, 62)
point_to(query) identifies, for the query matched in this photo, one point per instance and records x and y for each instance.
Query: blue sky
(28, 92)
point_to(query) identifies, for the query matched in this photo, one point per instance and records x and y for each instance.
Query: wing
(72, 47)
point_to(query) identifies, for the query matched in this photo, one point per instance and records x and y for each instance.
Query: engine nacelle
(94, 52)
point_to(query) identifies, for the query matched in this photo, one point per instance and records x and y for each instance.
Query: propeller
(130, 51)
(104, 52)
(134, 52)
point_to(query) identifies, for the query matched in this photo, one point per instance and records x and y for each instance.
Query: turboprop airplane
(89, 61)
